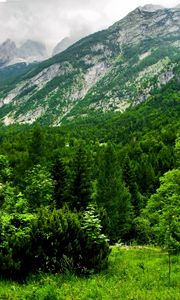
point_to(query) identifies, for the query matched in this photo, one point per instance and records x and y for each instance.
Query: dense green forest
(67, 193)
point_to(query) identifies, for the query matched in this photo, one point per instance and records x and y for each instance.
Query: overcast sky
(52, 20)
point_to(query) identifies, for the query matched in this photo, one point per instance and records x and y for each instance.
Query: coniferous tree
(113, 195)
(146, 175)
(80, 186)
(37, 146)
(177, 153)
(59, 176)
(129, 179)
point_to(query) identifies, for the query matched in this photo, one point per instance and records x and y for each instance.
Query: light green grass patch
(136, 273)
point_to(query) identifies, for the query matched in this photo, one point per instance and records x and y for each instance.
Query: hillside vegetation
(67, 192)
(90, 159)
(108, 71)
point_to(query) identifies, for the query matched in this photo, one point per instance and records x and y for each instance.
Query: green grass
(133, 273)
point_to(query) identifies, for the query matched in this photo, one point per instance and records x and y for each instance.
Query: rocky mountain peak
(63, 45)
(8, 44)
(30, 51)
(33, 50)
(151, 7)
(7, 51)
(147, 22)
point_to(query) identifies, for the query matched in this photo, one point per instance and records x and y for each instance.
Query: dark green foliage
(12, 73)
(36, 146)
(52, 167)
(129, 179)
(80, 187)
(5, 170)
(38, 187)
(55, 241)
(177, 153)
(113, 195)
(64, 240)
(15, 244)
(59, 176)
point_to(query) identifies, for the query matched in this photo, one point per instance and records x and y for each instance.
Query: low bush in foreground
(52, 241)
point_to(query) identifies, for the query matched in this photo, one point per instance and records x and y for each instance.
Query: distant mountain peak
(33, 49)
(63, 45)
(8, 43)
(30, 51)
(151, 7)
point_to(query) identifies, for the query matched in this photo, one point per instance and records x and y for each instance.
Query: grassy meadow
(133, 273)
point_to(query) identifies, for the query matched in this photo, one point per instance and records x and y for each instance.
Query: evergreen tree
(59, 176)
(177, 153)
(37, 146)
(129, 179)
(113, 195)
(146, 175)
(80, 186)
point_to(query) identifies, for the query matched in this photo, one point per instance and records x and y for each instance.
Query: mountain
(111, 70)
(29, 52)
(151, 7)
(32, 51)
(7, 52)
(63, 45)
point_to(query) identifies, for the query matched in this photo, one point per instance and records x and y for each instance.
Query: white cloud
(52, 20)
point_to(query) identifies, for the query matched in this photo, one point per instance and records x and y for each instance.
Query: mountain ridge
(30, 51)
(110, 70)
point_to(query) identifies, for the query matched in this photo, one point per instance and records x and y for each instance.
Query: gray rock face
(7, 51)
(147, 23)
(63, 45)
(151, 7)
(30, 51)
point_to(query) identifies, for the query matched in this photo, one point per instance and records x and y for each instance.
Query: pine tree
(129, 179)
(59, 176)
(37, 146)
(113, 195)
(80, 186)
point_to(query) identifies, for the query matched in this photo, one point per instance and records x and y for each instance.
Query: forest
(67, 193)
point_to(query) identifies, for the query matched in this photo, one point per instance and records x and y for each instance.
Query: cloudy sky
(51, 20)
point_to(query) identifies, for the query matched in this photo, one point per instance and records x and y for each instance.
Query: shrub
(52, 241)
(15, 244)
(66, 240)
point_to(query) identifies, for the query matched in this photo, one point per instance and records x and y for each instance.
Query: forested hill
(111, 172)
(66, 192)
(108, 71)
(145, 134)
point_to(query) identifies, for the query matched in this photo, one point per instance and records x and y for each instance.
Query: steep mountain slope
(108, 71)
(11, 73)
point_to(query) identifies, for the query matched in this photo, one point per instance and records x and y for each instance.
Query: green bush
(15, 244)
(64, 240)
(51, 241)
